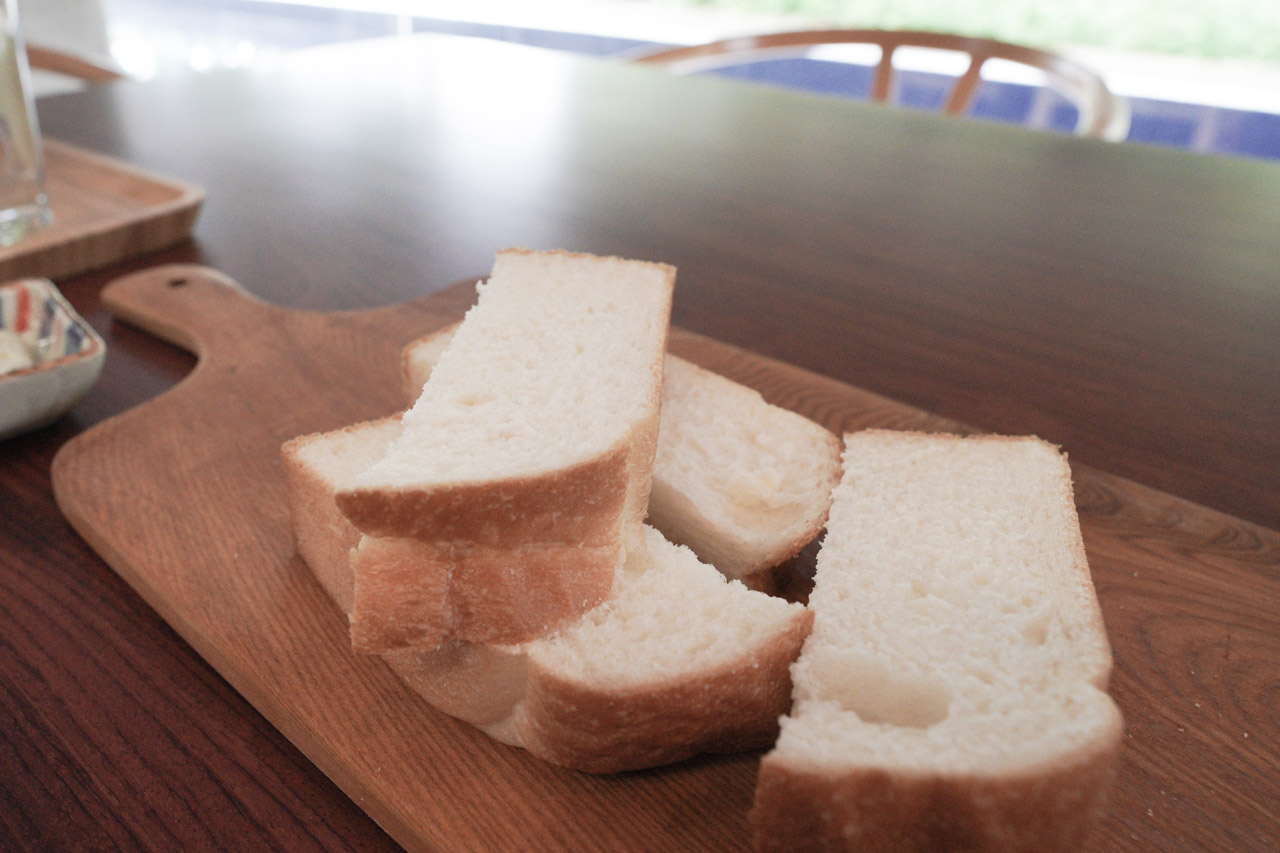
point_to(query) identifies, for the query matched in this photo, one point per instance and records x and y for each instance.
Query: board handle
(184, 304)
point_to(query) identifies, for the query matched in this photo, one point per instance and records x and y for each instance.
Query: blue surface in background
(1201, 128)
(289, 26)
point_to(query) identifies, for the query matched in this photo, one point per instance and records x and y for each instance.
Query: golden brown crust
(521, 557)
(502, 597)
(598, 729)
(401, 595)
(510, 558)
(732, 708)
(589, 727)
(762, 573)
(1050, 806)
(1040, 810)
(580, 503)
(410, 593)
(742, 540)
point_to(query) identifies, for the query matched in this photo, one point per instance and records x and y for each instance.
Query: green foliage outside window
(1238, 29)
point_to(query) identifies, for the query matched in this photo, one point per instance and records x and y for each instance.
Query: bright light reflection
(143, 53)
(508, 116)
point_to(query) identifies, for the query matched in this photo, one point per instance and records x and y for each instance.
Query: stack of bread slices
(568, 538)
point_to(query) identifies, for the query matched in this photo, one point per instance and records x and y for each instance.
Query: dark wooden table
(1121, 301)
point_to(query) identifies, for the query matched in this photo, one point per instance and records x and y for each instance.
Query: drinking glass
(24, 206)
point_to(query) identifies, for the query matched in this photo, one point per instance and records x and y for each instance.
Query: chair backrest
(1102, 113)
(81, 67)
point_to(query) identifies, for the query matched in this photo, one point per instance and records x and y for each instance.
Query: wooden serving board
(184, 497)
(103, 211)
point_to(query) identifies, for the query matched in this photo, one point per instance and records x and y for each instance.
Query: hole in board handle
(178, 282)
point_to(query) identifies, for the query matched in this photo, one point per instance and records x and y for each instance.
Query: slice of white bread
(676, 662)
(315, 467)
(951, 694)
(332, 546)
(743, 483)
(521, 474)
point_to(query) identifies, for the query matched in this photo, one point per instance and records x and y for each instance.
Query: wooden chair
(79, 66)
(1102, 114)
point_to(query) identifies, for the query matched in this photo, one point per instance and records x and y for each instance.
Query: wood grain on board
(184, 498)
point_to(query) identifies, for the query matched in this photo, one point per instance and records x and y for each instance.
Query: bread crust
(495, 562)
(683, 522)
(757, 564)
(400, 595)
(730, 537)
(597, 729)
(728, 709)
(323, 535)
(1049, 804)
(577, 504)
(543, 545)
(409, 593)
(1049, 808)
(523, 701)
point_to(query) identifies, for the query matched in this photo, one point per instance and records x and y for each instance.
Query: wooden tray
(103, 211)
(184, 497)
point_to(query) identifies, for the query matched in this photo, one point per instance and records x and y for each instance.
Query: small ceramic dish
(49, 356)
